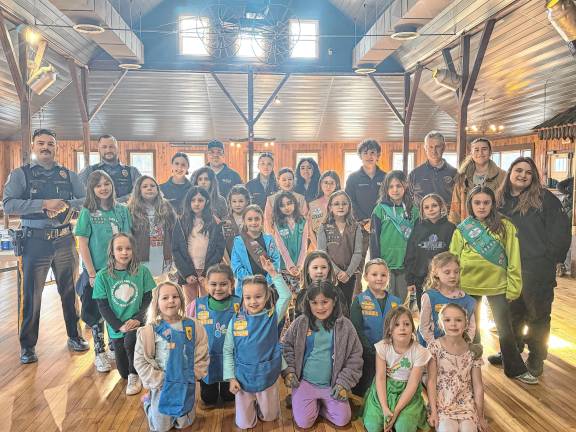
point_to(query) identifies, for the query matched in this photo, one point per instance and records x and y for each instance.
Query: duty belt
(48, 233)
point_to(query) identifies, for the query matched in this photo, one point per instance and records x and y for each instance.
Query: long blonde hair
(134, 264)
(439, 261)
(154, 315)
(163, 215)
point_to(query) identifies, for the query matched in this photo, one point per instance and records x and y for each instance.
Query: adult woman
(477, 169)
(307, 176)
(544, 235)
(264, 184)
(329, 182)
(174, 190)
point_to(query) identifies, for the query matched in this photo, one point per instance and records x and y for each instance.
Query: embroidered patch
(189, 333)
(438, 308)
(393, 305)
(369, 313)
(63, 174)
(367, 305)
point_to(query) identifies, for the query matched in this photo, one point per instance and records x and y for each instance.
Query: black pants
(533, 309)
(210, 392)
(419, 283)
(89, 311)
(39, 257)
(348, 292)
(368, 373)
(513, 363)
(124, 353)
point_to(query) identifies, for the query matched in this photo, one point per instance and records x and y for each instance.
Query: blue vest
(257, 352)
(46, 184)
(372, 314)
(215, 323)
(177, 396)
(121, 177)
(437, 300)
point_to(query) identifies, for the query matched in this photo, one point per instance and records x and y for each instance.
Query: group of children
(286, 304)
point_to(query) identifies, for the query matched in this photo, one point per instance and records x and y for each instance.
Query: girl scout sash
(254, 249)
(403, 225)
(487, 246)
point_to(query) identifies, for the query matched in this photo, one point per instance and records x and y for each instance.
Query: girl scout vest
(177, 396)
(340, 247)
(437, 301)
(215, 323)
(372, 314)
(257, 352)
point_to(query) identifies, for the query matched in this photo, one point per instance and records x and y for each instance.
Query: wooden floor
(63, 392)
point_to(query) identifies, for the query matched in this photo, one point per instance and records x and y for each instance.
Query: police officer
(435, 175)
(44, 193)
(123, 176)
(226, 176)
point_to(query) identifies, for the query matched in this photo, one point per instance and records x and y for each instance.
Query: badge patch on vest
(438, 307)
(204, 317)
(188, 333)
(241, 327)
(368, 308)
(393, 305)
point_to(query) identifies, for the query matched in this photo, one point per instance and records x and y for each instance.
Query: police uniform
(48, 244)
(123, 177)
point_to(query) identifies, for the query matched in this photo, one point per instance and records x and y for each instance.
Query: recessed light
(404, 32)
(89, 29)
(130, 66)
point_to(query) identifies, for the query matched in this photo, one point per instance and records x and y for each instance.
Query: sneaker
(110, 355)
(78, 344)
(560, 270)
(495, 359)
(134, 385)
(535, 367)
(101, 362)
(28, 355)
(527, 378)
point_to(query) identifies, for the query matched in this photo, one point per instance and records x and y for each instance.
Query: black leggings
(348, 292)
(124, 353)
(210, 392)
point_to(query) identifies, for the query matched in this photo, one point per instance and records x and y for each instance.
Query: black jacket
(182, 260)
(426, 241)
(257, 193)
(544, 234)
(363, 192)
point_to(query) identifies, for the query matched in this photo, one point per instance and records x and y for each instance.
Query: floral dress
(454, 383)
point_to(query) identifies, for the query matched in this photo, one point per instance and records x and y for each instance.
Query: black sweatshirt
(426, 241)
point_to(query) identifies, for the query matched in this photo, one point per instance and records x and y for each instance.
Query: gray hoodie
(347, 361)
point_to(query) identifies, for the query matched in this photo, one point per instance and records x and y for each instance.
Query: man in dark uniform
(44, 193)
(435, 175)
(226, 176)
(123, 176)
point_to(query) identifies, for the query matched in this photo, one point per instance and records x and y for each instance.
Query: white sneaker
(101, 362)
(110, 355)
(134, 385)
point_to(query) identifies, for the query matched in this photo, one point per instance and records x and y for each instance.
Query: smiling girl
(285, 182)
(174, 190)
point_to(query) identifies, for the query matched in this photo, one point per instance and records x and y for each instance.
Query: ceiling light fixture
(404, 32)
(446, 78)
(130, 66)
(88, 29)
(562, 16)
(365, 69)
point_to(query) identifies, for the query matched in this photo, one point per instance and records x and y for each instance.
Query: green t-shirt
(124, 293)
(317, 368)
(99, 227)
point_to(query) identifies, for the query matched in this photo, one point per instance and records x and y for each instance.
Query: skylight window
(304, 38)
(250, 46)
(194, 33)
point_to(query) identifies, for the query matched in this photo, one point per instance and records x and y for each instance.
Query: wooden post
(81, 89)
(462, 118)
(409, 101)
(250, 123)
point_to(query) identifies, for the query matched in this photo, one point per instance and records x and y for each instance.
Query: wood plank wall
(331, 154)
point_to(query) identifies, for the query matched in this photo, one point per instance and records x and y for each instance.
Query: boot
(101, 360)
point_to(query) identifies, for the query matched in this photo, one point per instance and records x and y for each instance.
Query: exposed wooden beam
(25, 109)
(251, 122)
(409, 102)
(413, 94)
(81, 89)
(449, 63)
(272, 97)
(230, 98)
(388, 100)
(107, 95)
(15, 72)
(462, 118)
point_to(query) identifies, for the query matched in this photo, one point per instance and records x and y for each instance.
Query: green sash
(477, 236)
(404, 226)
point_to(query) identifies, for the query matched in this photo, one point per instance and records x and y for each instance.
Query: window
(197, 161)
(397, 161)
(304, 39)
(451, 158)
(144, 161)
(505, 158)
(300, 156)
(250, 46)
(94, 159)
(194, 33)
(352, 162)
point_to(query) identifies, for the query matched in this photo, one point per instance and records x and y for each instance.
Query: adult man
(435, 175)
(123, 176)
(44, 193)
(226, 176)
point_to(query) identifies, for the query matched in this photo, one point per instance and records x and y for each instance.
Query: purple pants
(252, 406)
(309, 401)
